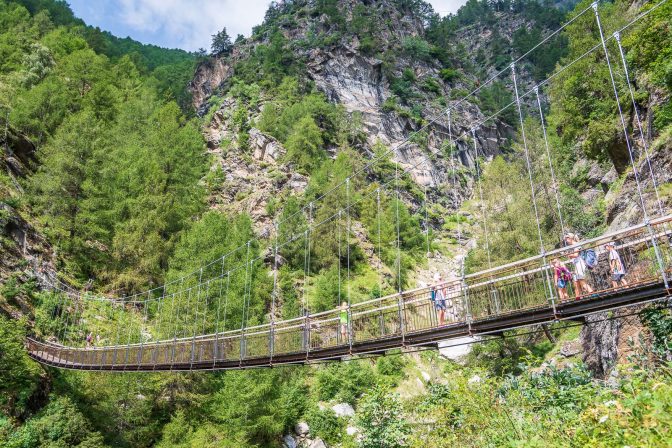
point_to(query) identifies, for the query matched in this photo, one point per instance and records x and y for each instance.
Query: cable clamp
(594, 6)
(536, 90)
(617, 36)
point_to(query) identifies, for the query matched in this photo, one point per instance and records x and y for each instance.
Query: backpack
(564, 274)
(432, 295)
(590, 258)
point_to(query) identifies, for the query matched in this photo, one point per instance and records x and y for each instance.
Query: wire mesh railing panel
(228, 348)
(258, 345)
(326, 333)
(289, 340)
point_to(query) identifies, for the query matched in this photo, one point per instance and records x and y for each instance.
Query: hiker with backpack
(616, 266)
(438, 296)
(561, 278)
(583, 261)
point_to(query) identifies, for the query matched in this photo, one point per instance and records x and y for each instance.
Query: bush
(449, 74)
(345, 382)
(325, 424)
(60, 424)
(417, 48)
(431, 85)
(381, 420)
(392, 366)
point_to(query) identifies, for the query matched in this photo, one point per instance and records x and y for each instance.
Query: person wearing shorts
(344, 320)
(616, 267)
(581, 286)
(561, 278)
(440, 298)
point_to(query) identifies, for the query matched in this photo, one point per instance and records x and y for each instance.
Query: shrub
(325, 424)
(381, 420)
(345, 382)
(417, 48)
(449, 74)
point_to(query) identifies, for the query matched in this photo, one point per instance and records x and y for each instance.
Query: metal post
(550, 285)
(467, 307)
(306, 334)
(402, 323)
(349, 328)
(193, 337)
(659, 257)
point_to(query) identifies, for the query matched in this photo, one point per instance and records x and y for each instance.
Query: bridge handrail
(408, 297)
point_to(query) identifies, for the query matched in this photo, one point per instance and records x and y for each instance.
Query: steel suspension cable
(274, 296)
(550, 164)
(347, 238)
(484, 210)
(310, 230)
(645, 144)
(340, 242)
(620, 110)
(427, 225)
(247, 268)
(219, 303)
(305, 273)
(380, 258)
(527, 158)
(398, 199)
(453, 151)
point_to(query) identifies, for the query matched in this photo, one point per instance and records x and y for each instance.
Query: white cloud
(189, 24)
(444, 7)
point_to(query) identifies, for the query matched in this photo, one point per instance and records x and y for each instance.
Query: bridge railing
(645, 251)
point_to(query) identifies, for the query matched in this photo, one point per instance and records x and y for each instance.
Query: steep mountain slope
(392, 67)
(119, 182)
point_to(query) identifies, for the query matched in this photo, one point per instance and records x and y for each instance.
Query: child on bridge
(616, 267)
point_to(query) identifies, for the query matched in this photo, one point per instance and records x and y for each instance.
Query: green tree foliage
(221, 43)
(381, 420)
(240, 287)
(304, 144)
(60, 423)
(583, 107)
(496, 96)
(19, 375)
(345, 382)
(649, 50)
(110, 185)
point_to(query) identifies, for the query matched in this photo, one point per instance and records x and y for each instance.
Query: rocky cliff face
(361, 83)
(25, 252)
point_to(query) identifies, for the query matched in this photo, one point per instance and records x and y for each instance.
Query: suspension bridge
(196, 336)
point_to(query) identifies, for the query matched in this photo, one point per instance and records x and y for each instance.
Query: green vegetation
(120, 190)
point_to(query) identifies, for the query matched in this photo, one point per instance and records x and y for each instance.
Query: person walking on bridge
(581, 286)
(344, 320)
(439, 293)
(616, 266)
(561, 278)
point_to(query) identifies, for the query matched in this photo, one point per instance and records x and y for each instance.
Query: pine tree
(221, 43)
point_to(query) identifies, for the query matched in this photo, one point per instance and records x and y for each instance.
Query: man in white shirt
(616, 266)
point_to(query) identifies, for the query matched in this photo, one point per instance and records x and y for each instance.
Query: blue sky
(186, 24)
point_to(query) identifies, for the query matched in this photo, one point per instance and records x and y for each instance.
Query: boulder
(474, 380)
(343, 410)
(288, 441)
(302, 428)
(265, 147)
(570, 349)
(317, 443)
